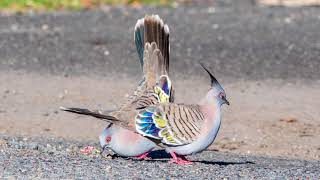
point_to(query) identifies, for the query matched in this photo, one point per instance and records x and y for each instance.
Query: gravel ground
(58, 158)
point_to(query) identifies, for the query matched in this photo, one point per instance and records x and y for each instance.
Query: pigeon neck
(210, 105)
(210, 108)
(210, 99)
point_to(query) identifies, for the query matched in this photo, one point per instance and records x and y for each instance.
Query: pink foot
(181, 160)
(143, 156)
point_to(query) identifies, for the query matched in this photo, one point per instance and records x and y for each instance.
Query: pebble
(34, 146)
(45, 27)
(106, 53)
(61, 96)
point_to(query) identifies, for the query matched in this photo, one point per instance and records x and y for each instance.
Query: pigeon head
(216, 89)
(106, 137)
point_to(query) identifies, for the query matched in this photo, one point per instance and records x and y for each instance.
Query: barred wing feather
(173, 124)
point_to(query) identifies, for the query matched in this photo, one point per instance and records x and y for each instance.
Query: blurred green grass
(45, 5)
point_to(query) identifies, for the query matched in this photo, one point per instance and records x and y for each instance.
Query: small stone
(288, 20)
(106, 53)
(215, 26)
(3, 142)
(34, 146)
(23, 170)
(211, 10)
(108, 168)
(61, 96)
(45, 27)
(14, 27)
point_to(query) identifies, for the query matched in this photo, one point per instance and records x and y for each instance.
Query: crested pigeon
(180, 129)
(151, 37)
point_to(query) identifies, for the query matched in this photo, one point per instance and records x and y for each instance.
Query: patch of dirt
(272, 117)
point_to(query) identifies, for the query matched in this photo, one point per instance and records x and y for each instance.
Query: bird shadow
(224, 163)
(159, 154)
(163, 156)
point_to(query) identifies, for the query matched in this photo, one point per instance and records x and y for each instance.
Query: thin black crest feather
(214, 81)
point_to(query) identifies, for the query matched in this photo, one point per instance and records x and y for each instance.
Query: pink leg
(181, 160)
(142, 156)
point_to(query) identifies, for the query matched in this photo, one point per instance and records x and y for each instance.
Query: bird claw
(180, 161)
(143, 156)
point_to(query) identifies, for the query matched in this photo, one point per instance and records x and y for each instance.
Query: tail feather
(90, 113)
(139, 39)
(152, 29)
(100, 116)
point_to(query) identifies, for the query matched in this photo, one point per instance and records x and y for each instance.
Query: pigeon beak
(227, 102)
(103, 148)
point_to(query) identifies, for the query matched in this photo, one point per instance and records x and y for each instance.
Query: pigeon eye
(108, 139)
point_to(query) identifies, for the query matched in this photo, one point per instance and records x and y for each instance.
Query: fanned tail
(151, 30)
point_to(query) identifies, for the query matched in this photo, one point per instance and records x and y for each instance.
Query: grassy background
(45, 5)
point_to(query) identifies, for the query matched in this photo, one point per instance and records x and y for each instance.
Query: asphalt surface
(60, 159)
(238, 42)
(247, 41)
